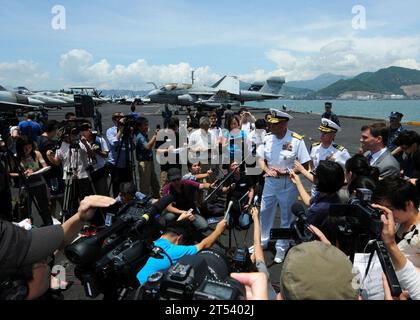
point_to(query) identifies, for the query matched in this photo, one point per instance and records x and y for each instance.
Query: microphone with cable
(155, 210)
(299, 211)
(228, 210)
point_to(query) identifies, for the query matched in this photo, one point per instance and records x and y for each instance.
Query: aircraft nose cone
(152, 94)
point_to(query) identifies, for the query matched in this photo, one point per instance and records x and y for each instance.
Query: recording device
(108, 261)
(204, 276)
(226, 217)
(69, 131)
(358, 226)
(298, 231)
(358, 217)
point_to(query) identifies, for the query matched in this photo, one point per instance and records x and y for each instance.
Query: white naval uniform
(281, 191)
(318, 153)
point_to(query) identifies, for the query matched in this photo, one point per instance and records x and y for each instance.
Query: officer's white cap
(277, 116)
(329, 126)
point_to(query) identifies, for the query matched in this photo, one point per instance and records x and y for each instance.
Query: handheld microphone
(255, 200)
(299, 210)
(228, 210)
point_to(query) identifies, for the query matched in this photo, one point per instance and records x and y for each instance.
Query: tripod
(126, 142)
(72, 186)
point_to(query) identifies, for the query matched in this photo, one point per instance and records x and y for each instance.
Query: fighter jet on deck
(10, 101)
(224, 92)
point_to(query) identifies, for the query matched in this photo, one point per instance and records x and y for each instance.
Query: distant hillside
(385, 81)
(318, 83)
(289, 91)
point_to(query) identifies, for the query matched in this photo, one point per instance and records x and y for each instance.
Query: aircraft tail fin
(272, 85)
(229, 84)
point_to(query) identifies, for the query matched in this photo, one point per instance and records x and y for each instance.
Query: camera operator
(97, 149)
(329, 178)
(171, 243)
(23, 253)
(144, 151)
(53, 177)
(402, 198)
(120, 172)
(73, 154)
(406, 272)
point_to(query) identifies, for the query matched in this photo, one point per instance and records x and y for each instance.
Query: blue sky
(124, 44)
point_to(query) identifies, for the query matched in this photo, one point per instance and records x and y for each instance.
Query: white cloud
(20, 73)
(78, 66)
(349, 56)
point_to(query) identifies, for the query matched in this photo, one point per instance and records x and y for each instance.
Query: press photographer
(121, 147)
(24, 273)
(73, 155)
(97, 149)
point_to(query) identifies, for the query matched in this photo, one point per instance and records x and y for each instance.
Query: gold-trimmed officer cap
(329, 126)
(277, 116)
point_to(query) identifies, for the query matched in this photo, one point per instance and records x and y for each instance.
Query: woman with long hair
(29, 161)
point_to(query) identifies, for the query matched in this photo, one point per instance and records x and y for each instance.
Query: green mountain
(387, 80)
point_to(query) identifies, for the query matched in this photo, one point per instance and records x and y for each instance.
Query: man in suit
(374, 139)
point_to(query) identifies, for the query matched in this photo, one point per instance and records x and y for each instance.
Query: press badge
(108, 219)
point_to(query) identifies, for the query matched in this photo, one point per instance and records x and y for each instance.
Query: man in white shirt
(275, 157)
(73, 154)
(374, 139)
(203, 146)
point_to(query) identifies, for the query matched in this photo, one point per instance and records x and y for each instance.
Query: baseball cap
(396, 114)
(316, 271)
(174, 174)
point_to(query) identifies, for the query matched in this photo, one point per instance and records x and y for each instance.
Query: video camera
(69, 131)
(358, 225)
(204, 276)
(298, 231)
(358, 217)
(109, 261)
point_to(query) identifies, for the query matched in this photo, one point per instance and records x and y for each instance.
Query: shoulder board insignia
(297, 136)
(338, 147)
(316, 144)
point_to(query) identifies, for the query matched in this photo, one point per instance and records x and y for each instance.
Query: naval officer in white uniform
(326, 149)
(278, 153)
